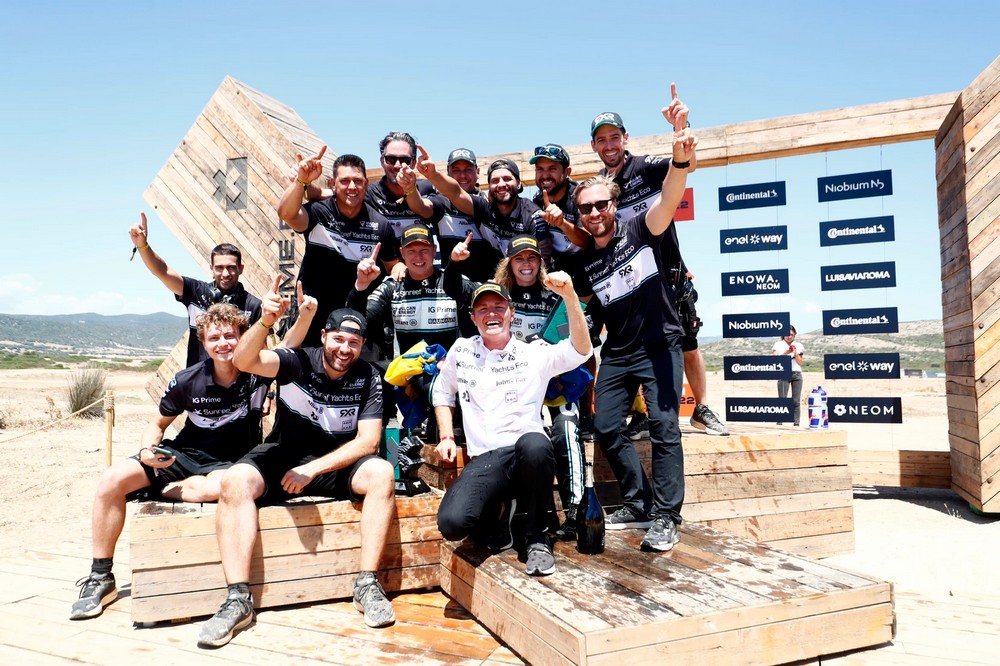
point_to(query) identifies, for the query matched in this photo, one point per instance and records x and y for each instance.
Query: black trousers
(523, 472)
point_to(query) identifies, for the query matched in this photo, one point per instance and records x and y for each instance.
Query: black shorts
(187, 463)
(272, 460)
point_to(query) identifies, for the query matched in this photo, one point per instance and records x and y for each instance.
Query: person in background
(788, 346)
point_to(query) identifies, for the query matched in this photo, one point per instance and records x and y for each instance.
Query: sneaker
(369, 598)
(503, 538)
(625, 518)
(586, 428)
(706, 420)
(638, 427)
(540, 561)
(661, 535)
(98, 590)
(235, 613)
(567, 531)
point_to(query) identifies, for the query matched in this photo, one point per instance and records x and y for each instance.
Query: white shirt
(780, 347)
(501, 391)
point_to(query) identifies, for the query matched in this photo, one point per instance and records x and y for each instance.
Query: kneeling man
(223, 409)
(501, 383)
(324, 441)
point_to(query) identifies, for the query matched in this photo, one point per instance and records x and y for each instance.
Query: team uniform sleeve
(191, 292)
(446, 383)
(561, 357)
(174, 400)
(291, 364)
(372, 408)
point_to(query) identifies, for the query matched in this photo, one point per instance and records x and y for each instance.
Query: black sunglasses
(601, 206)
(397, 159)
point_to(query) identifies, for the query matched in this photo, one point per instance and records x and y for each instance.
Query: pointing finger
(298, 291)
(277, 283)
(423, 153)
(468, 239)
(378, 246)
(322, 151)
(545, 198)
(673, 91)
(143, 223)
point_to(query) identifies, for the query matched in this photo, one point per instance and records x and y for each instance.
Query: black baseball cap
(347, 320)
(418, 232)
(523, 242)
(490, 287)
(460, 154)
(504, 163)
(551, 151)
(606, 118)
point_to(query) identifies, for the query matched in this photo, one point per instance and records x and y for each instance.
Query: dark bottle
(590, 519)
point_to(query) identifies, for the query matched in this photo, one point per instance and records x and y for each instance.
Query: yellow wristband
(261, 322)
(142, 247)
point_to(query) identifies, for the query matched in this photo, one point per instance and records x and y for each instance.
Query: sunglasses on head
(397, 159)
(551, 151)
(601, 206)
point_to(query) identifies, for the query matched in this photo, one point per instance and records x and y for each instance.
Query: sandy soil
(921, 540)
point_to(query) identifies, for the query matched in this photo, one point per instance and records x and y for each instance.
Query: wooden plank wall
(968, 173)
(223, 183)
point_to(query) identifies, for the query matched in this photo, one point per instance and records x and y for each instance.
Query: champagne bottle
(590, 517)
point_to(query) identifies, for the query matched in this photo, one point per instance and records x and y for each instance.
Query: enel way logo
(861, 366)
(753, 239)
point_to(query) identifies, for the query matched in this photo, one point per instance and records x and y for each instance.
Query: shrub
(86, 386)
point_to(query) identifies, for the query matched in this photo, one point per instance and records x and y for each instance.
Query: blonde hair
(505, 277)
(606, 181)
(221, 314)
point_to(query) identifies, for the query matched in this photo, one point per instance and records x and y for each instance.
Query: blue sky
(97, 96)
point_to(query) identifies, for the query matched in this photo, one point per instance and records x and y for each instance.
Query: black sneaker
(586, 428)
(661, 535)
(369, 598)
(235, 613)
(706, 420)
(638, 427)
(97, 591)
(567, 531)
(540, 560)
(626, 518)
(503, 538)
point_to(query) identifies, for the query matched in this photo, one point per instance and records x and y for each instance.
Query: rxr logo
(624, 272)
(349, 411)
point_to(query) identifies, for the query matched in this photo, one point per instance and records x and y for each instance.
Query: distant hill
(920, 345)
(91, 334)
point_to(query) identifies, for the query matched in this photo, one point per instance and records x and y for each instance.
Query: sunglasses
(393, 160)
(601, 206)
(550, 151)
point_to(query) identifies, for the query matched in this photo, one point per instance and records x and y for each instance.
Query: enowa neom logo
(855, 185)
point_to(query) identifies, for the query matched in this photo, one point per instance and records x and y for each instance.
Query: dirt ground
(919, 539)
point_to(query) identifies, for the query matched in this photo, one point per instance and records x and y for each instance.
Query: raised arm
(562, 284)
(251, 353)
(661, 212)
(445, 184)
(290, 207)
(307, 310)
(139, 234)
(407, 179)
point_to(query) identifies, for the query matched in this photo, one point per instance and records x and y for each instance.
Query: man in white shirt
(501, 383)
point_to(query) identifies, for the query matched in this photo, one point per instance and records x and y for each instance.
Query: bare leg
(108, 518)
(694, 372)
(201, 488)
(236, 520)
(374, 480)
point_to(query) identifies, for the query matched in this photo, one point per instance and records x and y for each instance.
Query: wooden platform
(789, 488)
(715, 599)
(305, 551)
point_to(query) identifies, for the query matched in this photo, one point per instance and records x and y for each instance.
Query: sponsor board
(756, 195)
(750, 283)
(854, 232)
(742, 368)
(753, 239)
(861, 366)
(861, 320)
(685, 209)
(771, 410)
(760, 325)
(855, 185)
(865, 410)
(858, 276)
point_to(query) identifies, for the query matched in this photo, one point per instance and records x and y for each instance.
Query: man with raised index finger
(340, 231)
(639, 177)
(625, 275)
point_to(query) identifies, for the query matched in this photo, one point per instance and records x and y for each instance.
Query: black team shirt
(198, 296)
